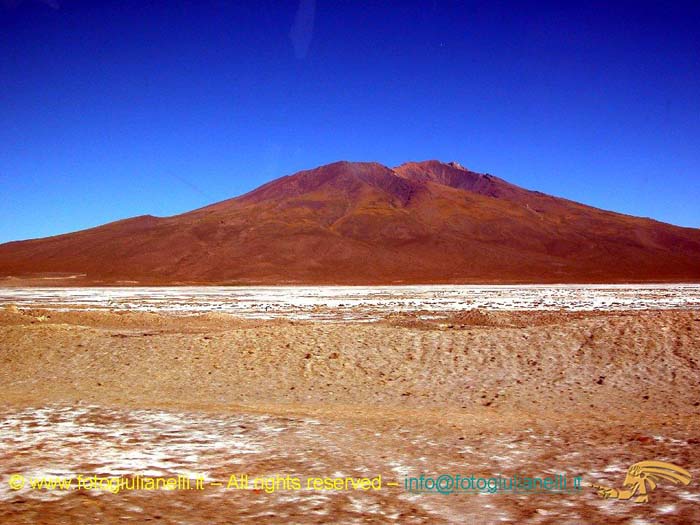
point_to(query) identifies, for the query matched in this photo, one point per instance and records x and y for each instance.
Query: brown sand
(500, 393)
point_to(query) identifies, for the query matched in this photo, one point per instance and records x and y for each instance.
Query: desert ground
(530, 381)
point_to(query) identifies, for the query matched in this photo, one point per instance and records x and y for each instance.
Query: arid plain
(344, 382)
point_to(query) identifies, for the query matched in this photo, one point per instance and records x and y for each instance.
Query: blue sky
(115, 109)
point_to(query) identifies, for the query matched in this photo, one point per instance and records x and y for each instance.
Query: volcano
(365, 223)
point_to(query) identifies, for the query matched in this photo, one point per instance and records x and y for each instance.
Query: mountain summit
(365, 223)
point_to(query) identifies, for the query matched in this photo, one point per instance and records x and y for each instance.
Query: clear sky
(115, 109)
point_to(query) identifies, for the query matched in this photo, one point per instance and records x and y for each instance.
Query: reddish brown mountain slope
(365, 223)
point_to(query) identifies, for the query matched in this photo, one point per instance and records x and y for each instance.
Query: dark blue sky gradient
(115, 109)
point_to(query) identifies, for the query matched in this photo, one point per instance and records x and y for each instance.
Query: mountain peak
(434, 163)
(456, 176)
(335, 179)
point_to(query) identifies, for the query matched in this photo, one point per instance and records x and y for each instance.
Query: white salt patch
(356, 303)
(614, 468)
(689, 496)
(62, 442)
(399, 469)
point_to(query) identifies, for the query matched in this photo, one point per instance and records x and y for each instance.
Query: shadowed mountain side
(364, 223)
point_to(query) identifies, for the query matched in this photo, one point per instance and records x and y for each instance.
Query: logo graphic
(642, 478)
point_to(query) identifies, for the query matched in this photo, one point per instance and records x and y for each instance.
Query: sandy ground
(486, 393)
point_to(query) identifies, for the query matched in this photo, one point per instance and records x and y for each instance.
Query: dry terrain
(488, 393)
